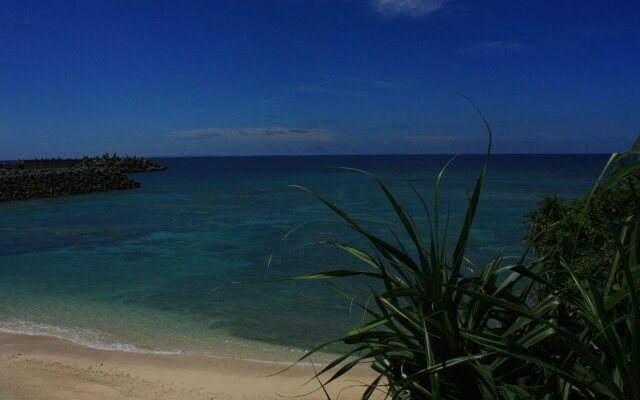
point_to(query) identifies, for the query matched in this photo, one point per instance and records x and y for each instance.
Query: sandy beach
(41, 367)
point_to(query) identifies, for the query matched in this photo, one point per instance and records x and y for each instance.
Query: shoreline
(44, 367)
(226, 347)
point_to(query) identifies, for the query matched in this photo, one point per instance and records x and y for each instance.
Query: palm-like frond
(434, 332)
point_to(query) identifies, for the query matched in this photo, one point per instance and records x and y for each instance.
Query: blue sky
(260, 77)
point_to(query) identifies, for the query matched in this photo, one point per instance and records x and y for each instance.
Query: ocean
(156, 268)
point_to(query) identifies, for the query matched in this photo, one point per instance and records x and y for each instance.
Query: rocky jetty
(19, 184)
(31, 179)
(123, 164)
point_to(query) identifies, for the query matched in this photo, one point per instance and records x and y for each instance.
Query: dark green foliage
(581, 232)
(436, 331)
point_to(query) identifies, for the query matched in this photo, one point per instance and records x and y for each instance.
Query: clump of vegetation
(436, 331)
(580, 232)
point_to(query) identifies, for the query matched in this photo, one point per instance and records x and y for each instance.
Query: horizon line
(318, 155)
(374, 155)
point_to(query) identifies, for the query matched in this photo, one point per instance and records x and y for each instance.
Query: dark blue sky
(316, 76)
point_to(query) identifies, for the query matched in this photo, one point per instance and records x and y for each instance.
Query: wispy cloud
(492, 47)
(262, 134)
(339, 85)
(407, 8)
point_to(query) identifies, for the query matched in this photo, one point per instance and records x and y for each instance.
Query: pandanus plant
(434, 330)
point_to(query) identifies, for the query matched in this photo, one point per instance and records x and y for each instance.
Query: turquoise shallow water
(149, 269)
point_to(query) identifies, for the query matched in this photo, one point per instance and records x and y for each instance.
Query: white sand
(40, 367)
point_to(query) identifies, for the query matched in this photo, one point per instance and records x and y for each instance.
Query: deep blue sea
(151, 269)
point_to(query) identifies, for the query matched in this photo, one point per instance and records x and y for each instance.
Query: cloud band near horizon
(407, 8)
(263, 134)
